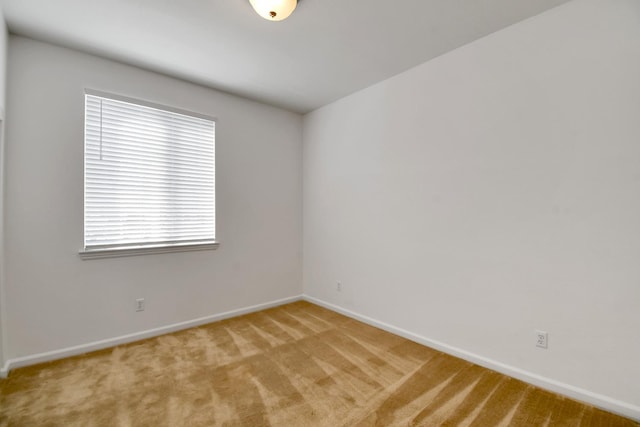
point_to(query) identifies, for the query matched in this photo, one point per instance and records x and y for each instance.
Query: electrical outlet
(339, 286)
(140, 304)
(542, 339)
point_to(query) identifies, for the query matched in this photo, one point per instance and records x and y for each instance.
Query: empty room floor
(294, 365)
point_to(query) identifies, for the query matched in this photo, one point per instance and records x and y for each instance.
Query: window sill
(123, 251)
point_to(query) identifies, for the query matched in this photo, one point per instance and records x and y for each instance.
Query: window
(149, 178)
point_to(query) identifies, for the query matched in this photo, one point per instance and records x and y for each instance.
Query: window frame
(143, 248)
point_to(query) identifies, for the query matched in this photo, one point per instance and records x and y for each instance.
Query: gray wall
(490, 192)
(3, 73)
(57, 300)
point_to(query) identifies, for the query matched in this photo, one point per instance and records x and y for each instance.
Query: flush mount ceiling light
(274, 10)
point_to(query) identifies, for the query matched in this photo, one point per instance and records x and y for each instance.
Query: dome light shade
(274, 10)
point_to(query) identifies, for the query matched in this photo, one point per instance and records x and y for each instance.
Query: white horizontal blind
(149, 176)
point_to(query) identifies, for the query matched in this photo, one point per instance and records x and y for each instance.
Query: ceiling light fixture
(274, 10)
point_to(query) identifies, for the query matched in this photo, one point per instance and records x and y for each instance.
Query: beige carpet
(295, 365)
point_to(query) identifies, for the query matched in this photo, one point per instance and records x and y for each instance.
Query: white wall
(490, 192)
(54, 299)
(3, 72)
(4, 35)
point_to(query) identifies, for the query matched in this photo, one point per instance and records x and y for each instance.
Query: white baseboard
(598, 400)
(48, 356)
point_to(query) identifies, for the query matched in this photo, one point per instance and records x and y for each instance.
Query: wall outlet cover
(542, 339)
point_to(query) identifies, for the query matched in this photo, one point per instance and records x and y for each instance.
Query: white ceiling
(327, 49)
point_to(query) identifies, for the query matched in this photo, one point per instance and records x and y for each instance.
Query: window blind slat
(153, 138)
(132, 177)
